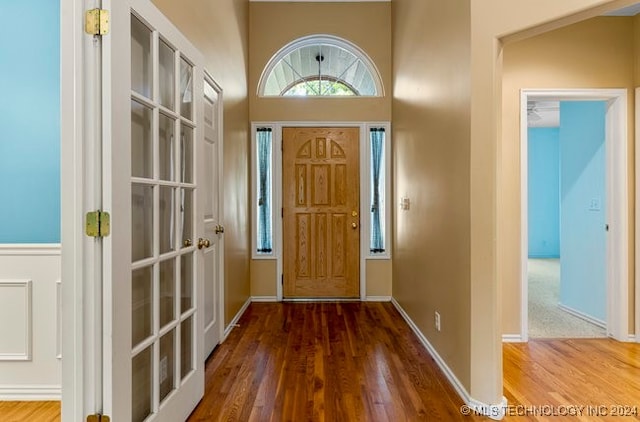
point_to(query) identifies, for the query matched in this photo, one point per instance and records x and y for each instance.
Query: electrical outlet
(437, 320)
(163, 369)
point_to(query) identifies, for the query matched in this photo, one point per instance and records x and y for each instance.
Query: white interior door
(213, 230)
(153, 327)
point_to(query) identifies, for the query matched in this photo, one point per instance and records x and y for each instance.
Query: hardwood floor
(361, 362)
(324, 362)
(598, 379)
(21, 411)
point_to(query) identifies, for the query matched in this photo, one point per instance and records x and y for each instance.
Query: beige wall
(597, 53)
(264, 278)
(379, 278)
(274, 25)
(264, 273)
(447, 110)
(220, 31)
(431, 268)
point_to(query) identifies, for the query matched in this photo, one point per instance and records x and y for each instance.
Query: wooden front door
(321, 212)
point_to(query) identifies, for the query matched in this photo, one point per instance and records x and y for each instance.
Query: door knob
(203, 243)
(187, 243)
(354, 225)
(219, 229)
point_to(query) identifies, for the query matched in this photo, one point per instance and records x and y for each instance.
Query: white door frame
(79, 140)
(616, 146)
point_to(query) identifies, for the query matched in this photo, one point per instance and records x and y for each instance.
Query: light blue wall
(29, 121)
(583, 207)
(544, 192)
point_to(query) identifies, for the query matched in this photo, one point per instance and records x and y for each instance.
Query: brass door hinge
(98, 418)
(98, 224)
(96, 22)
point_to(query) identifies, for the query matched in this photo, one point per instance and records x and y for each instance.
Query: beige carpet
(546, 319)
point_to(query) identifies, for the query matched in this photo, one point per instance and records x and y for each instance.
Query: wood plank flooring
(21, 411)
(324, 362)
(602, 375)
(361, 362)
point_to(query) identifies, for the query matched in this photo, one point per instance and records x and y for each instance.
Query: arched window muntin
(358, 72)
(312, 80)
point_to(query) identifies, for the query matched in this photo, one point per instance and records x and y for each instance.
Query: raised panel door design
(320, 211)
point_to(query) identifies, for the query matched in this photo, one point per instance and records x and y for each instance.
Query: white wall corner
(512, 338)
(493, 411)
(234, 321)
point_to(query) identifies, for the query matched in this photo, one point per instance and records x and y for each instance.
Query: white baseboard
(576, 313)
(234, 321)
(512, 338)
(377, 299)
(264, 298)
(30, 392)
(493, 411)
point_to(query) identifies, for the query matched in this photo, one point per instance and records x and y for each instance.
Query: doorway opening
(605, 212)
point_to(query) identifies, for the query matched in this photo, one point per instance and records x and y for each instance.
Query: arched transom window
(320, 65)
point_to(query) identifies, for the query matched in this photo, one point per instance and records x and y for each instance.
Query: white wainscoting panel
(15, 320)
(30, 368)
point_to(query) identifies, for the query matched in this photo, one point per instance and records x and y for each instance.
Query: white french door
(213, 230)
(153, 363)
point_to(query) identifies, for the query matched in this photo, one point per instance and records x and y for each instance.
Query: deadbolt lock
(354, 213)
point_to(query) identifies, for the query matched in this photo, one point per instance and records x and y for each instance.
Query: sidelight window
(378, 190)
(264, 152)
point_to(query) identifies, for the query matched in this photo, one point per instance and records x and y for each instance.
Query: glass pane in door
(186, 212)
(141, 399)
(141, 309)
(166, 75)
(186, 349)
(166, 147)
(141, 221)
(141, 65)
(186, 283)
(167, 291)
(167, 219)
(141, 141)
(186, 153)
(186, 89)
(167, 364)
